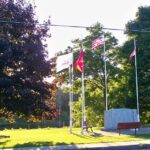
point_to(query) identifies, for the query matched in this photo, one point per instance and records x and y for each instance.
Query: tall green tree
(133, 30)
(94, 75)
(23, 64)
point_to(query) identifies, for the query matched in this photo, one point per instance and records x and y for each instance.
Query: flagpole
(83, 97)
(71, 92)
(105, 70)
(136, 79)
(70, 101)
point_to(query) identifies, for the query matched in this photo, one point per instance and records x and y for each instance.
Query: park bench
(86, 126)
(128, 125)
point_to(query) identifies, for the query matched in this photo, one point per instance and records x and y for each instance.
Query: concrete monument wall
(113, 116)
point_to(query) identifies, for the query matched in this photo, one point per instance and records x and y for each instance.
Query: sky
(110, 13)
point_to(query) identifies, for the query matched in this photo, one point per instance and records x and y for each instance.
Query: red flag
(132, 54)
(79, 62)
(97, 42)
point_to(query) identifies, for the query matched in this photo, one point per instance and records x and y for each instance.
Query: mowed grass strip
(56, 136)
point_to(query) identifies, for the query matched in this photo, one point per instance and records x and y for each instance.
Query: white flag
(64, 61)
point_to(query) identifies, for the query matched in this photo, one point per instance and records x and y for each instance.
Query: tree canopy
(23, 64)
(140, 23)
(94, 75)
(120, 71)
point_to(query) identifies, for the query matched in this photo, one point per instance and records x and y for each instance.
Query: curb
(134, 145)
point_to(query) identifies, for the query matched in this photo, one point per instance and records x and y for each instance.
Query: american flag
(97, 42)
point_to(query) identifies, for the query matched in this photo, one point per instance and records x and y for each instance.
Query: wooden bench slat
(128, 125)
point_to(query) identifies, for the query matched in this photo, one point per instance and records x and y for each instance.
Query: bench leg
(119, 131)
(135, 131)
(87, 130)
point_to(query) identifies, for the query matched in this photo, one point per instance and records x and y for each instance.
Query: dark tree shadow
(4, 136)
(4, 143)
(34, 144)
(88, 134)
(45, 145)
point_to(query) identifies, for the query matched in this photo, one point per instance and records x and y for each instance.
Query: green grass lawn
(56, 136)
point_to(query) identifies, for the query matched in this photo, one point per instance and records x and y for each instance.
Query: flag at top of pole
(79, 62)
(132, 54)
(97, 42)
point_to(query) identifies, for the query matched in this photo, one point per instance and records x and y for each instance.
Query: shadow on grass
(97, 134)
(63, 143)
(44, 145)
(4, 143)
(4, 136)
(84, 136)
(80, 135)
(34, 144)
(88, 135)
